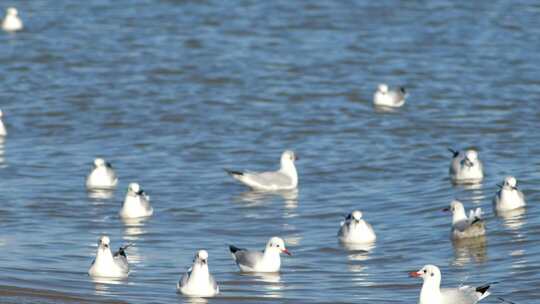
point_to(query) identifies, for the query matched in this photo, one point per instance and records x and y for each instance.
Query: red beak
(414, 274)
(286, 251)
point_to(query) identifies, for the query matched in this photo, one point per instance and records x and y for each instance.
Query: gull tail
(483, 290)
(233, 249)
(234, 173)
(455, 153)
(122, 250)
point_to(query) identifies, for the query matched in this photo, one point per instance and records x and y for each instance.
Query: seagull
(3, 131)
(432, 293)
(136, 203)
(384, 97)
(102, 176)
(267, 260)
(463, 226)
(466, 167)
(355, 230)
(12, 22)
(198, 282)
(509, 197)
(107, 264)
(286, 178)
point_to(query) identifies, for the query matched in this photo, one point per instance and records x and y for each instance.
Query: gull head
(455, 207)
(355, 215)
(104, 242)
(510, 182)
(428, 272)
(383, 88)
(288, 156)
(471, 156)
(11, 11)
(99, 162)
(201, 257)
(135, 189)
(276, 243)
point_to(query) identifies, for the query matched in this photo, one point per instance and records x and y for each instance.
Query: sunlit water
(172, 92)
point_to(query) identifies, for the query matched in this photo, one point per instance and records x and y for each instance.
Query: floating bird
(3, 131)
(12, 22)
(198, 282)
(355, 230)
(267, 260)
(432, 293)
(136, 203)
(509, 197)
(286, 178)
(102, 176)
(466, 167)
(463, 226)
(107, 264)
(384, 97)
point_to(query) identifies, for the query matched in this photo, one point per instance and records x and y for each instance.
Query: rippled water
(171, 92)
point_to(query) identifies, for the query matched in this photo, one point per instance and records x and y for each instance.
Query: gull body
(137, 203)
(286, 178)
(3, 131)
(384, 97)
(198, 282)
(267, 260)
(12, 22)
(102, 176)
(509, 197)
(356, 230)
(109, 265)
(466, 167)
(432, 293)
(463, 226)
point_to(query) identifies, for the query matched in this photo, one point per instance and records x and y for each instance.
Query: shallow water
(172, 92)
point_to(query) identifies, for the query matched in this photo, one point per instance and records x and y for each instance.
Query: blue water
(172, 92)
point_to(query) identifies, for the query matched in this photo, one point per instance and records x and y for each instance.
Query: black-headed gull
(509, 197)
(268, 260)
(355, 230)
(466, 167)
(384, 97)
(12, 22)
(463, 226)
(286, 178)
(102, 176)
(3, 131)
(137, 203)
(198, 282)
(433, 294)
(109, 265)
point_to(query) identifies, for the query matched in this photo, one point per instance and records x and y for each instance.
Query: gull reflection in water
(477, 191)
(513, 219)
(193, 300)
(273, 288)
(256, 198)
(101, 284)
(2, 151)
(133, 229)
(470, 250)
(356, 254)
(100, 194)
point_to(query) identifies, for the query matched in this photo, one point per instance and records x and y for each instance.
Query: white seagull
(3, 131)
(466, 167)
(384, 97)
(509, 197)
(267, 260)
(102, 176)
(137, 203)
(286, 178)
(463, 226)
(432, 293)
(198, 282)
(355, 230)
(12, 22)
(107, 264)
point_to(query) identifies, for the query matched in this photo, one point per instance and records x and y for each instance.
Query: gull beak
(415, 274)
(286, 252)
(468, 162)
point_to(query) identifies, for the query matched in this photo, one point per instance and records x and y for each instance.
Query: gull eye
(425, 271)
(432, 274)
